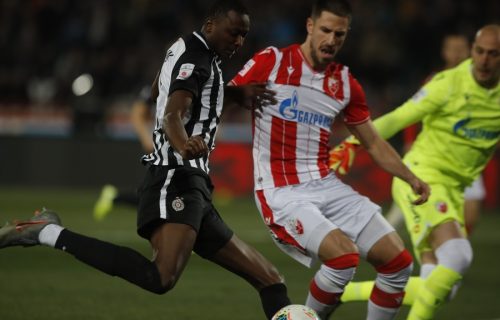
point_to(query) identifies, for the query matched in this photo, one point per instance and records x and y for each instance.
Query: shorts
(445, 204)
(476, 190)
(300, 216)
(181, 195)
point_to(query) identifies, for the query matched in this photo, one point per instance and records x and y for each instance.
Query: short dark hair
(341, 8)
(222, 7)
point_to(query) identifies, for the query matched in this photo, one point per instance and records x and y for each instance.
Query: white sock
(49, 234)
(426, 269)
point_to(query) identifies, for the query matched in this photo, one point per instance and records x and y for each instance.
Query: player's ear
(309, 25)
(209, 25)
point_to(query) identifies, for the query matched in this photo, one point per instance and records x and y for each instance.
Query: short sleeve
(190, 72)
(357, 110)
(257, 69)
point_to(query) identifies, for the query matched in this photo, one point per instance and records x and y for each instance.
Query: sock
(426, 269)
(328, 284)
(361, 291)
(49, 234)
(433, 292)
(388, 292)
(112, 259)
(273, 298)
(357, 291)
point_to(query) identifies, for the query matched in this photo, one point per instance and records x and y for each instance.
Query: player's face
(455, 50)
(227, 34)
(486, 59)
(327, 34)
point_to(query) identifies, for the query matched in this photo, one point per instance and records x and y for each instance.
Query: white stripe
(347, 85)
(163, 194)
(201, 39)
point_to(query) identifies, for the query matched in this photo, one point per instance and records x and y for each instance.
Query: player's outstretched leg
(243, 260)
(454, 256)
(45, 229)
(340, 259)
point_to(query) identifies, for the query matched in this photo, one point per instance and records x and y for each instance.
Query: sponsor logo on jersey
(185, 71)
(460, 128)
(289, 110)
(178, 204)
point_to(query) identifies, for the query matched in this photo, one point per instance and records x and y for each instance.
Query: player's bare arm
(188, 147)
(388, 159)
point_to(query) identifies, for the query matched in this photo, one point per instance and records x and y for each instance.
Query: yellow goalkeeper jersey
(460, 127)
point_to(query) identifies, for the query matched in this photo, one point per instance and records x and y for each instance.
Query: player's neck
(305, 48)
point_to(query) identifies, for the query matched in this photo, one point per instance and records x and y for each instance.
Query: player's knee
(394, 275)
(340, 270)
(167, 282)
(455, 254)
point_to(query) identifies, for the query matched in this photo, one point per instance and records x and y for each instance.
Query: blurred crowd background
(120, 44)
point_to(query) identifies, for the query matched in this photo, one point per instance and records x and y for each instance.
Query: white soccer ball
(296, 312)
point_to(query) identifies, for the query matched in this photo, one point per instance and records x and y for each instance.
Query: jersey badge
(178, 204)
(441, 206)
(419, 95)
(332, 85)
(185, 71)
(294, 226)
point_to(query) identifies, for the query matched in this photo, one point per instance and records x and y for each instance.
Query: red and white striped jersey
(290, 140)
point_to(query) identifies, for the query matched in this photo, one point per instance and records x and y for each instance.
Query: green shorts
(444, 204)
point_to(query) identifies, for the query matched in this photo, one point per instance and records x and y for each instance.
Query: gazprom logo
(289, 110)
(460, 128)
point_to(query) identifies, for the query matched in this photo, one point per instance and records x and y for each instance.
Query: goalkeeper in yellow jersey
(460, 114)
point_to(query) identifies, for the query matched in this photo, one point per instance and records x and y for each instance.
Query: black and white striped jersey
(190, 65)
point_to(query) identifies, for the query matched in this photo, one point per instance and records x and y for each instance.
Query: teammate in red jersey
(312, 215)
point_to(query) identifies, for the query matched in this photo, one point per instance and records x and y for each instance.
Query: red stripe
(277, 133)
(289, 152)
(279, 231)
(345, 261)
(386, 300)
(397, 264)
(323, 152)
(290, 69)
(328, 298)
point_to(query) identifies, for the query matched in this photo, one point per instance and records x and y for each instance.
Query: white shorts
(300, 216)
(476, 190)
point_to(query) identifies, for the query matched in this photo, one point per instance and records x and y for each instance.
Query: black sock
(274, 297)
(127, 198)
(112, 259)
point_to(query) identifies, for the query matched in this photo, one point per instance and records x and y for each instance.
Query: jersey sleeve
(426, 101)
(357, 110)
(257, 69)
(190, 72)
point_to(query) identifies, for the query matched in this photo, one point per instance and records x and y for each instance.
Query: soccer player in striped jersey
(175, 210)
(460, 113)
(311, 214)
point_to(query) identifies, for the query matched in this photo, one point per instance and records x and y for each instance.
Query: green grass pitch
(42, 283)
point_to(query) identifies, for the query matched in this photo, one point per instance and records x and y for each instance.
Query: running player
(312, 215)
(460, 111)
(175, 213)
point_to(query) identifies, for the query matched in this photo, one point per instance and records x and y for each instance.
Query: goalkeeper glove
(342, 156)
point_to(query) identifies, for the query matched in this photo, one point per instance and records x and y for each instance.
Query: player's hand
(422, 189)
(257, 95)
(194, 147)
(342, 156)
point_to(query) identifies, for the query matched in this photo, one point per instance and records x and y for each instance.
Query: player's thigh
(379, 242)
(295, 220)
(445, 204)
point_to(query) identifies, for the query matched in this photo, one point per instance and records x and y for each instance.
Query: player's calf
(329, 282)
(388, 292)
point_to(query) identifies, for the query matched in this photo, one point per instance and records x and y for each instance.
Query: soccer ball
(296, 312)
